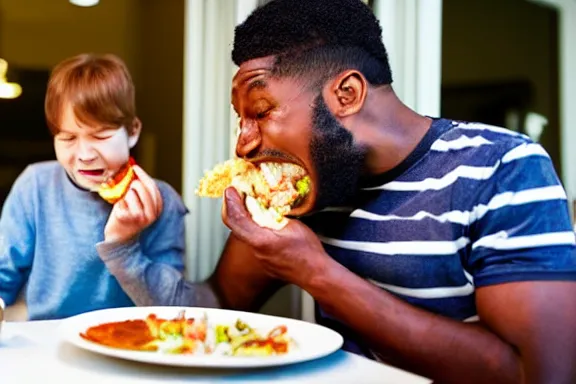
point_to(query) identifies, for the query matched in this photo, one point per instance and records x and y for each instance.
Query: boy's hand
(138, 209)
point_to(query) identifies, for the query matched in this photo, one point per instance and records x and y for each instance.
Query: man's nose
(249, 138)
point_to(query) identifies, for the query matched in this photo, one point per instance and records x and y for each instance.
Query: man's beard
(337, 159)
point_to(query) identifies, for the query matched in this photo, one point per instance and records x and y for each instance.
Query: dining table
(35, 352)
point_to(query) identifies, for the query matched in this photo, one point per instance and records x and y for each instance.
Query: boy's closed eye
(105, 134)
(65, 137)
(103, 137)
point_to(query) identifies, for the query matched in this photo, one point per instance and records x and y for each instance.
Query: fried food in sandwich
(116, 187)
(271, 190)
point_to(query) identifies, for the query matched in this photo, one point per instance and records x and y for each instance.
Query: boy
(53, 221)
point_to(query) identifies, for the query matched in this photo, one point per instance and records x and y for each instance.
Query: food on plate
(272, 189)
(195, 336)
(116, 187)
(129, 334)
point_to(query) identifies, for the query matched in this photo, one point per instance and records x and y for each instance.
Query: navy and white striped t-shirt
(473, 205)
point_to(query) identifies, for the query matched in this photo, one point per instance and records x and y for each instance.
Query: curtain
(412, 34)
(209, 121)
(209, 28)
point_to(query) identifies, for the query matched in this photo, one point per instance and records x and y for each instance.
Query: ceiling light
(84, 3)
(7, 90)
(10, 90)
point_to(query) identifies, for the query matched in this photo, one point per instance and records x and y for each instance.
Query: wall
(499, 40)
(160, 88)
(39, 33)
(567, 36)
(147, 35)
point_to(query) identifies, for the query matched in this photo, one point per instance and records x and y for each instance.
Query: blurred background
(509, 63)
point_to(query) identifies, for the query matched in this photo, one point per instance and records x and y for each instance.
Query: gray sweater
(51, 232)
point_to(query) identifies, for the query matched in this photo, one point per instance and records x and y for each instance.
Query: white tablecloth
(31, 352)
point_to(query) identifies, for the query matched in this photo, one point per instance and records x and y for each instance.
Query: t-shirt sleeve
(17, 237)
(522, 229)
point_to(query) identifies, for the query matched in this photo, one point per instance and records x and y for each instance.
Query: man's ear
(345, 95)
(134, 133)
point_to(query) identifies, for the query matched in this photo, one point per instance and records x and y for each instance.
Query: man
(415, 227)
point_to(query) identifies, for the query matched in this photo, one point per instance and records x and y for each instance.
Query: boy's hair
(315, 39)
(98, 87)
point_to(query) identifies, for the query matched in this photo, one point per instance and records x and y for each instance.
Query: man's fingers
(237, 218)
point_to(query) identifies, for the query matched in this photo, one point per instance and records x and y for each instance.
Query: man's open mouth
(276, 186)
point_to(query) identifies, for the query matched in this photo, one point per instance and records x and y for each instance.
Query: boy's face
(91, 154)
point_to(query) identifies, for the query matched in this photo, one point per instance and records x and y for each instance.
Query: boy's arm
(150, 266)
(152, 282)
(16, 238)
(239, 282)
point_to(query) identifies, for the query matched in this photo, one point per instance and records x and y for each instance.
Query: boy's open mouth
(91, 172)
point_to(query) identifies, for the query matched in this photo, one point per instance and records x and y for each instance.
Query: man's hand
(293, 254)
(138, 209)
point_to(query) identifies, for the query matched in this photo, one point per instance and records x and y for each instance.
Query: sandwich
(116, 187)
(271, 190)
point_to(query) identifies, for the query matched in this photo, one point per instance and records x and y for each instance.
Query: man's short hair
(98, 87)
(315, 39)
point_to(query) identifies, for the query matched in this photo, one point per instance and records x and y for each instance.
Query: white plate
(313, 341)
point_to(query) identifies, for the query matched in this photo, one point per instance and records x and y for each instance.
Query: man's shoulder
(476, 134)
(485, 146)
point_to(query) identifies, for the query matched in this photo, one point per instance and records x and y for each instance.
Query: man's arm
(522, 246)
(443, 349)
(239, 279)
(538, 319)
(527, 334)
(529, 338)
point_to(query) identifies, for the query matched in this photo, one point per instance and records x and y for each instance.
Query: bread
(270, 190)
(116, 187)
